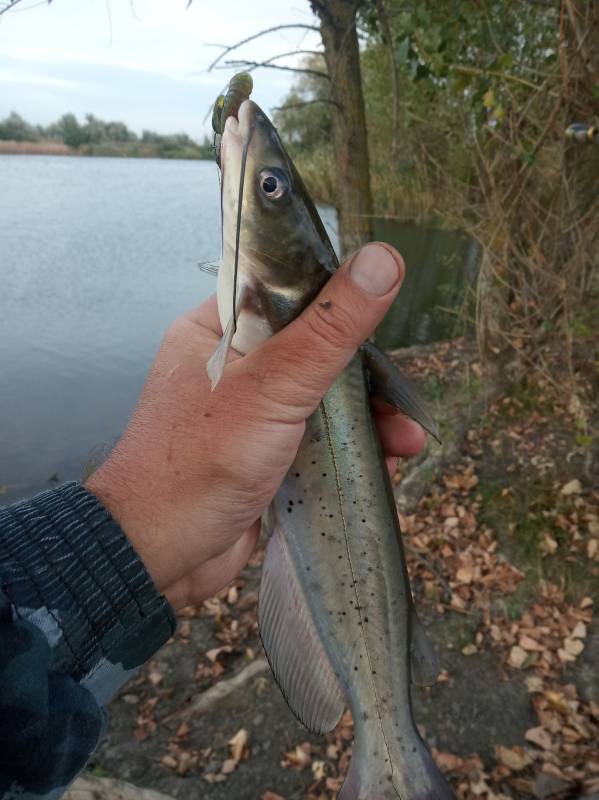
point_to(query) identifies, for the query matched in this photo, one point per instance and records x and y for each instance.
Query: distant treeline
(97, 137)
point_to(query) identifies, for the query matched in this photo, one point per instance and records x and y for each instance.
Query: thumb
(297, 366)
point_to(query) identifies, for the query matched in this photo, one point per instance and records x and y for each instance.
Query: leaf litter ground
(503, 552)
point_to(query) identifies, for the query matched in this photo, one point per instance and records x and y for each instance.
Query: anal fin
(292, 645)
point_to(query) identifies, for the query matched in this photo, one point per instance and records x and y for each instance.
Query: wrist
(130, 508)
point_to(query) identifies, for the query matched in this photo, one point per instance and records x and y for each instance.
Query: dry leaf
(237, 744)
(469, 650)
(572, 487)
(229, 766)
(573, 646)
(540, 737)
(318, 769)
(517, 657)
(516, 758)
(448, 762)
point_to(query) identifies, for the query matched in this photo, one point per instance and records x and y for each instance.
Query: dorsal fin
(293, 648)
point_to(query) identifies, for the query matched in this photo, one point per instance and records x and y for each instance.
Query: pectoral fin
(215, 365)
(424, 661)
(293, 648)
(394, 388)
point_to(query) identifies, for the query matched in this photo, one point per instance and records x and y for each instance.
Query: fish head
(276, 253)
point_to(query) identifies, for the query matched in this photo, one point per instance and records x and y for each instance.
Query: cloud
(146, 67)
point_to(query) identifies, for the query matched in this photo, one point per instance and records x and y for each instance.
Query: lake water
(97, 257)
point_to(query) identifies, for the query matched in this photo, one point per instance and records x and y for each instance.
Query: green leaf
(402, 50)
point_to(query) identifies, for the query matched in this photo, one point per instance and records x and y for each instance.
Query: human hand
(195, 469)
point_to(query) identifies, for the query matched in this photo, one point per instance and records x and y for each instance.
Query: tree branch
(255, 64)
(9, 4)
(229, 48)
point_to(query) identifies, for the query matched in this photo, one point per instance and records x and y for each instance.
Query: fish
(335, 612)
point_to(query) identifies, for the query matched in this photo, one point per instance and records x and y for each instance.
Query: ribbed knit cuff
(66, 565)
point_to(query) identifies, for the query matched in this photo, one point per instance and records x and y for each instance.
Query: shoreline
(105, 150)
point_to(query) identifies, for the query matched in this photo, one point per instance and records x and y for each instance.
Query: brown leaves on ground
(464, 561)
(458, 561)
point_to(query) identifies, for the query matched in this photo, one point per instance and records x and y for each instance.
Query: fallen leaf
(238, 743)
(516, 758)
(572, 487)
(213, 654)
(573, 646)
(229, 766)
(448, 762)
(469, 650)
(540, 737)
(517, 657)
(318, 769)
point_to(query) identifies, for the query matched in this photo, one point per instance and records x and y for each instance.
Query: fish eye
(274, 183)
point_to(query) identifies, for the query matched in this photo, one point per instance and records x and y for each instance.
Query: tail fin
(414, 777)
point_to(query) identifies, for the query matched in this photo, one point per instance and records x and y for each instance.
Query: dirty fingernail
(374, 269)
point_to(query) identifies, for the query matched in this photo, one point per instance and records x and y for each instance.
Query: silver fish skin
(335, 608)
(335, 538)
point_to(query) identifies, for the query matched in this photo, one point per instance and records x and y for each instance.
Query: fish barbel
(335, 612)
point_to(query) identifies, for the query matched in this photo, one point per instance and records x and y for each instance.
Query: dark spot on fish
(413, 749)
(339, 556)
(323, 534)
(308, 569)
(355, 669)
(289, 510)
(324, 474)
(374, 672)
(364, 716)
(207, 414)
(331, 516)
(365, 619)
(314, 462)
(290, 502)
(301, 502)
(354, 502)
(297, 474)
(363, 520)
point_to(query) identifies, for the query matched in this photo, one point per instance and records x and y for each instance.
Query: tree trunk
(387, 37)
(342, 54)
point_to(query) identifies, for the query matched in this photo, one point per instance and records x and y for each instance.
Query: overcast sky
(144, 64)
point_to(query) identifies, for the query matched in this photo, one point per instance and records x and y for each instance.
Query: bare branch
(229, 48)
(295, 53)
(251, 65)
(307, 103)
(10, 4)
